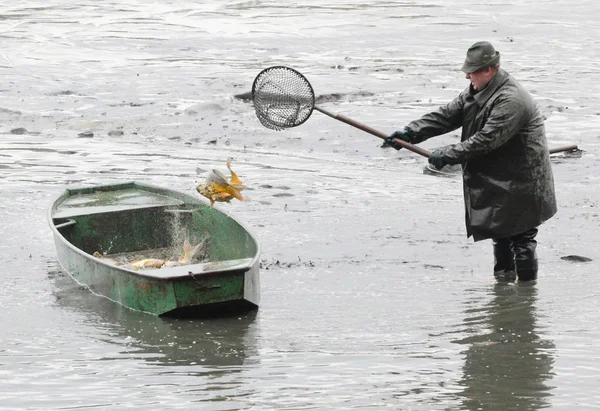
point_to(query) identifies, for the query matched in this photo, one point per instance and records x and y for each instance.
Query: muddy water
(372, 297)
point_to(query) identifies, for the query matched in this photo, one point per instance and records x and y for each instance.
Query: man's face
(480, 78)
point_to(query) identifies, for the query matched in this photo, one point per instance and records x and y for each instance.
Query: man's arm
(448, 118)
(506, 119)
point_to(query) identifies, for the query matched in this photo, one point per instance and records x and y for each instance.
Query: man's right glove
(437, 159)
(400, 134)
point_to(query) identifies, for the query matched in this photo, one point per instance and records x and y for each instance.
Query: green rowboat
(99, 231)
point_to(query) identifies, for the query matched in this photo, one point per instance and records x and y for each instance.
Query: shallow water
(372, 297)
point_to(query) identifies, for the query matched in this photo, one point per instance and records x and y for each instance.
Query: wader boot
(504, 259)
(516, 253)
(526, 262)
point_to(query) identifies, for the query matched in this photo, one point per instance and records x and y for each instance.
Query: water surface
(372, 296)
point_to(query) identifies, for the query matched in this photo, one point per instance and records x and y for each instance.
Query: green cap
(479, 56)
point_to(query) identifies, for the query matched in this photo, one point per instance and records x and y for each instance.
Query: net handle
(555, 150)
(408, 146)
(363, 127)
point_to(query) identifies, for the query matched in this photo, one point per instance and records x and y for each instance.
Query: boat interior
(144, 221)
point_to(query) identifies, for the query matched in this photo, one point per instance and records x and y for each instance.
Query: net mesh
(282, 98)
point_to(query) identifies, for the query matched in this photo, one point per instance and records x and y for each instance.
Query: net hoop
(282, 97)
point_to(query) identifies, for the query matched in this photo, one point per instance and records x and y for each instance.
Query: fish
(105, 259)
(147, 263)
(189, 251)
(235, 180)
(219, 189)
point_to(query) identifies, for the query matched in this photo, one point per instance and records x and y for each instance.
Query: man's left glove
(437, 159)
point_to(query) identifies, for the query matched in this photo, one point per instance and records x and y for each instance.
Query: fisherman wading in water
(507, 177)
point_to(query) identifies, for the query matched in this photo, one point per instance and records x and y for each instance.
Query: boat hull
(228, 282)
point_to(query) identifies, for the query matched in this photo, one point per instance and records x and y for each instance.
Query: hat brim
(470, 67)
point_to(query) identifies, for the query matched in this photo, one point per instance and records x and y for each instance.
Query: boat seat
(112, 201)
(197, 269)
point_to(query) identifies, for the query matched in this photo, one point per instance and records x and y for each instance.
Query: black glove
(400, 134)
(437, 159)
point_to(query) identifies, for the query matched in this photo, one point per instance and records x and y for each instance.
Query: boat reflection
(507, 362)
(209, 342)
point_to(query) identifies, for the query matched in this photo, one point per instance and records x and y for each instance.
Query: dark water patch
(560, 109)
(9, 112)
(131, 104)
(388, 70)
(127, 36)
(19, 131)
(144, 154)
(267, 264)
(13, 16)
(206, 107)
(348, 97)
(38, 150)
(283, 195)
(50, 166)
(576, 258)
(323, 98)
(270, 167)
(342, 67)
(51, 182)
(62, 93)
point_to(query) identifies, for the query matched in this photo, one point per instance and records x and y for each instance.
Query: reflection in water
(211, 343)
(507, 362)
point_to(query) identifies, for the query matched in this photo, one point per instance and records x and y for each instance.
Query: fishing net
(282, 97)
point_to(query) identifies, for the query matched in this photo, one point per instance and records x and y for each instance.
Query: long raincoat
(507, 177)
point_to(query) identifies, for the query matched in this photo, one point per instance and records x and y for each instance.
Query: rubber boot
(504, 259)
(526, 262)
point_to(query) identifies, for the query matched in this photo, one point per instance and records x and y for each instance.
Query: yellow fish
(218, 189)
(147, 263)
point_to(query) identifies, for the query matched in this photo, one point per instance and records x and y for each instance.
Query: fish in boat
(189, 251)
(219, 189)
(105, 258)
(147, 263)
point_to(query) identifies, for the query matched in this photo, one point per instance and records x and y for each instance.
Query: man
(507, 178)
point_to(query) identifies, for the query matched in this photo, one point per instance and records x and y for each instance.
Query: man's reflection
(507, 364)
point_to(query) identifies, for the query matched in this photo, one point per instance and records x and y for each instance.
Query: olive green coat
(507, 176)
